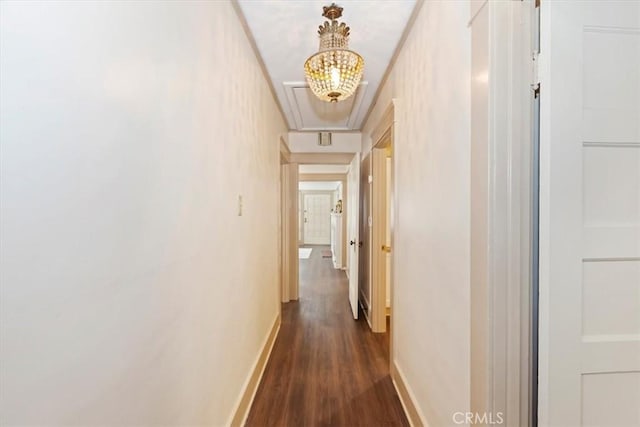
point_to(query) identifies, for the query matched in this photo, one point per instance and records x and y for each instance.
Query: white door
(317, 219)
(353, 231)
(590, 214)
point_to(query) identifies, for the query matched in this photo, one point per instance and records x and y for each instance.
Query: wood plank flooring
(325, 368)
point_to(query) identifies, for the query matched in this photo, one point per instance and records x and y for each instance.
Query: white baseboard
(407, 399)
(243, 404)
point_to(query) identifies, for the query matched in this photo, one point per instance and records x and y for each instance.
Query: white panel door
(317, 219)
(590, 214)
(353, 231)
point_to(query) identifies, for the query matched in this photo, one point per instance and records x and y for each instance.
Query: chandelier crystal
(334, 72)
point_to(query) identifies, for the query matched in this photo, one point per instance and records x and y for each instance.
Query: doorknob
(386, 248)
(352, 242)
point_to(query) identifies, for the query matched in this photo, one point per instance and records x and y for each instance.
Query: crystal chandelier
(335, 71)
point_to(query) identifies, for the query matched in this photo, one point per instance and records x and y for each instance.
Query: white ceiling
(286, 34)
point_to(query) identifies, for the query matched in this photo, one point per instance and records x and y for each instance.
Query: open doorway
(288, 224)
(344, 245)
(319, 238)
(381, 226)
(321, 222)
(327, 233)
(381, 232)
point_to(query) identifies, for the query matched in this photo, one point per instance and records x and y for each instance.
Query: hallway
(478, 162)
(326, 368)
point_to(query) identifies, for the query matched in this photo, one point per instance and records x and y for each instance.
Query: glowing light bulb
(335, 77)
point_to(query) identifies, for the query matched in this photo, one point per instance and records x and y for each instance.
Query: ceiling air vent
(324, 139)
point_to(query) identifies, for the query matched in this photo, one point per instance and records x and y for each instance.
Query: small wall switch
(239, 205)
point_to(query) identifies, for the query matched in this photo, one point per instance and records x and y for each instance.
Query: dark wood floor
(325, 368)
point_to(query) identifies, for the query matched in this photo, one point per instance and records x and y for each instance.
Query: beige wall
(431, 297)
(341, 142)
(128, 132)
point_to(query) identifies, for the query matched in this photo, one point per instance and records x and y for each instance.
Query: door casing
(381, 214)
(501, 189)
(288, 238)
(290, 178)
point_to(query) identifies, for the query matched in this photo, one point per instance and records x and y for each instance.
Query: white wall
(318, 185)
(307, 142)
(323, 168)
(124, 146)
(431, 297)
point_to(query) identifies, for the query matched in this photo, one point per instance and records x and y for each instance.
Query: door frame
(382, 138)
(289, 182)
(502, 190)
(342, 177)
(288, 218)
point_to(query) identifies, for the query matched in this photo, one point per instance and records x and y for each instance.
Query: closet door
(590, 214)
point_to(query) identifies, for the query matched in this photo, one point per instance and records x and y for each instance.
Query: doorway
(381, 225)
(322, 177)
(288, 225)
(341, 171)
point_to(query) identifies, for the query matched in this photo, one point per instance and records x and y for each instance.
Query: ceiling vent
(324, 139)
